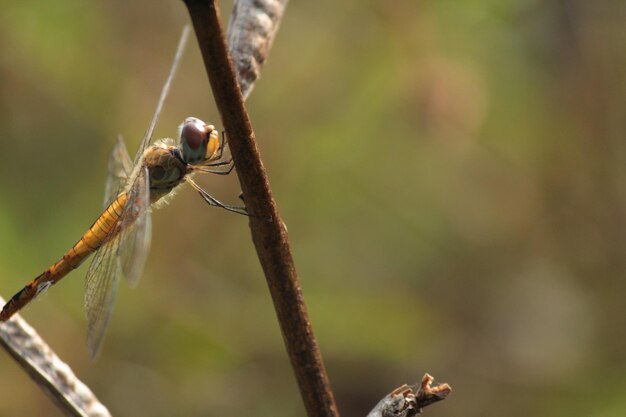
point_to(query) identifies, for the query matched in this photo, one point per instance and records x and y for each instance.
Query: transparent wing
(164, 92)
(136, 229)
(100, 289)
(124, 251)
(119, 168)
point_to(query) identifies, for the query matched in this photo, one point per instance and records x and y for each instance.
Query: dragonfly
(119, 239)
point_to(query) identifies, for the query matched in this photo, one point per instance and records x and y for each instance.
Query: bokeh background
(453, 176)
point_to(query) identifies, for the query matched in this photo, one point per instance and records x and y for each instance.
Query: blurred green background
(453, 176)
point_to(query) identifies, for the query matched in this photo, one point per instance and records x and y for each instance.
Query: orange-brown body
(166, 169)
(103, 229)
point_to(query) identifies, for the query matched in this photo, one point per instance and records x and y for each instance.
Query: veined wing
(136, 226)
(119, 168)
(127, 247)
(164, 92)
(124, 251)
(101, 285)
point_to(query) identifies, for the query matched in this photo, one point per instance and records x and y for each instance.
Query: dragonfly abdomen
(102, 230)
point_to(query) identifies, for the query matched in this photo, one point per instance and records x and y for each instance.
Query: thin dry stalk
(53, 375)
(251, 30)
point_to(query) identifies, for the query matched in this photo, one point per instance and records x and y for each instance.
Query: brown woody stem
(268, 230)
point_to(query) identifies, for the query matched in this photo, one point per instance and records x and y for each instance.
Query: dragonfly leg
(212, 201)
(214, 171)
(217, 160)
(219, 163)
(204, 168)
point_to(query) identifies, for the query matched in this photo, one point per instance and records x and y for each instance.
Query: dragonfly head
(199, 141)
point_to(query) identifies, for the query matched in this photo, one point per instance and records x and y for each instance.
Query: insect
(120, 236)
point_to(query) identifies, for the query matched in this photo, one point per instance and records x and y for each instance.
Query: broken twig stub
(405, 401)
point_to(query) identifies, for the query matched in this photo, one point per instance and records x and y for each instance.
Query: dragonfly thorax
(165, 169)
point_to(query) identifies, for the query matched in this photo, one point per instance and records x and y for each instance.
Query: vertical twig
(268, 231)
(49, 372)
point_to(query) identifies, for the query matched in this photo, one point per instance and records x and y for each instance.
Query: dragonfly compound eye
(194, 136)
